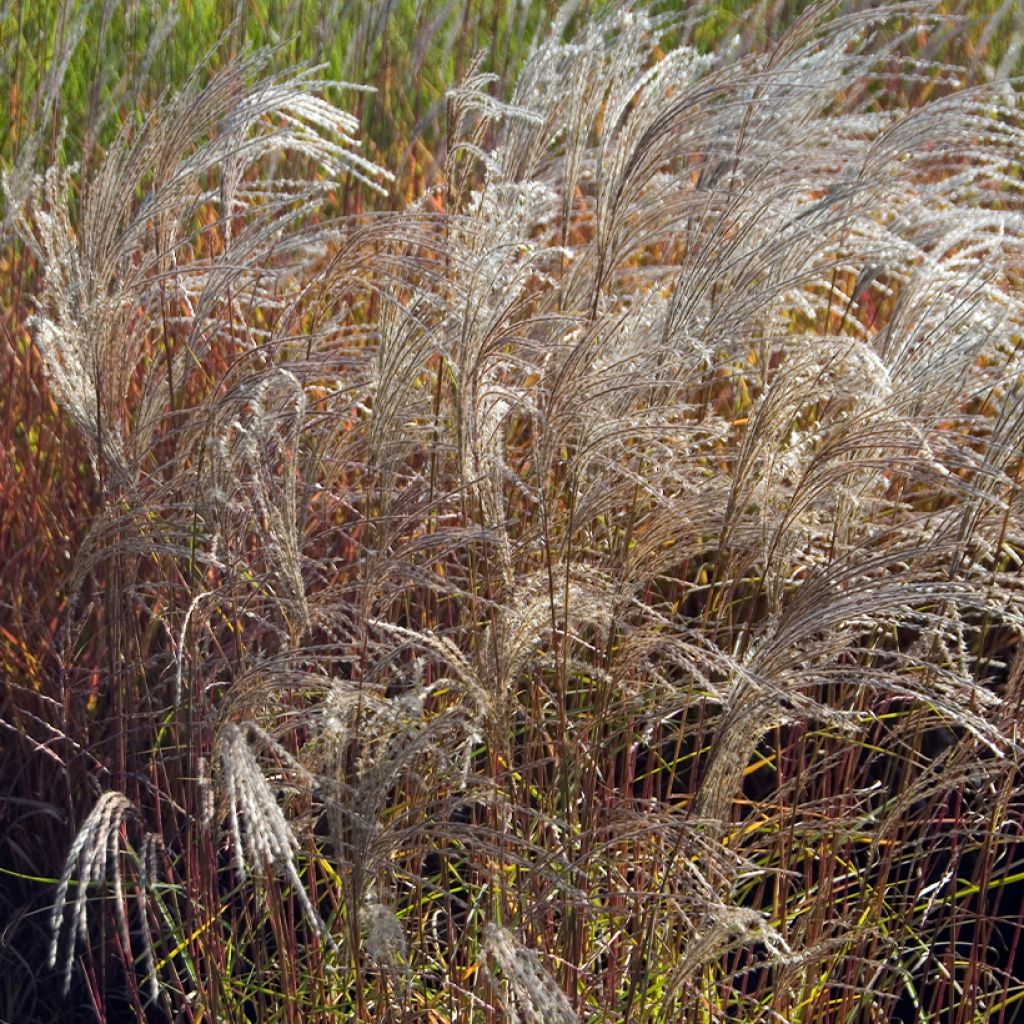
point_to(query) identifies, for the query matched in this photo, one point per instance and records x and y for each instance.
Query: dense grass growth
(557, 561)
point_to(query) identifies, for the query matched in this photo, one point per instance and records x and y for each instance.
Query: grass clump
(587, 590)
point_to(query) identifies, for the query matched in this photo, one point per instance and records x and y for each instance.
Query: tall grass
(586, 590)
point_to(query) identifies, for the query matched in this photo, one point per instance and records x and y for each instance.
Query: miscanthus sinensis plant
(589, 593)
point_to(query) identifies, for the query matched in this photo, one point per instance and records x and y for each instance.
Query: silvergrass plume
(586, 590)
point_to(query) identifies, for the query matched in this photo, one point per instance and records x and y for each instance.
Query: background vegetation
(537, 541)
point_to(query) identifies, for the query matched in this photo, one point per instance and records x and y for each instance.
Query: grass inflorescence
(556, 560)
